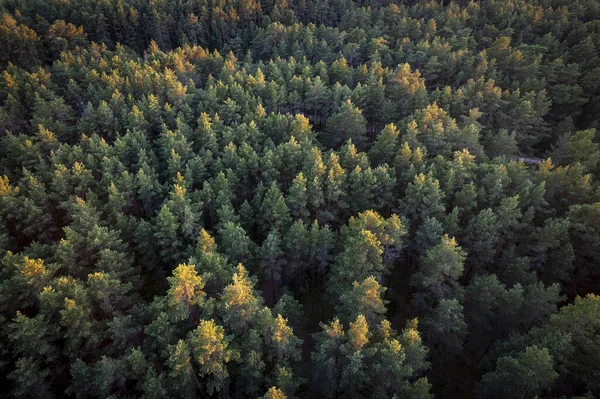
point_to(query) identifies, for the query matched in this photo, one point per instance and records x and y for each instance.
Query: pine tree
(297, 198)
(439, 269)
(186, 289)
(236, 244)
(327, 357)
(209, 348)
(274, 210)
(274, 393)
(364, 298)
(445, 328)
(531, 373)
(385, 147)
(240, 304)
(348, 123)
(272, 261)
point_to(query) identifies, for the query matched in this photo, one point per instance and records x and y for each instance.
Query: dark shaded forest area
(299, 199)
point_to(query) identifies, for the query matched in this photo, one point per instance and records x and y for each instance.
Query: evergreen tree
(530, 373)
(385, 146)
(365, 298)
(347, 124)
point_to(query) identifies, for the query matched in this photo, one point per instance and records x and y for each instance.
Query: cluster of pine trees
(300, 199)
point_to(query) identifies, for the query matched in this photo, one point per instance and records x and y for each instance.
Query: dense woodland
(299, 199)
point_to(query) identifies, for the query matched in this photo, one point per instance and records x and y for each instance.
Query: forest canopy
(300, 199)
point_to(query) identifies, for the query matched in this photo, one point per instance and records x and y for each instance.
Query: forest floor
(398, 295)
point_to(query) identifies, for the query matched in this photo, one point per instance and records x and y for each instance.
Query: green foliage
(385, 147)
(445, 328)
(346, 361)
(530, 374)
(210, 352)
(571, 336)
(367, 162)
(347, 124)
